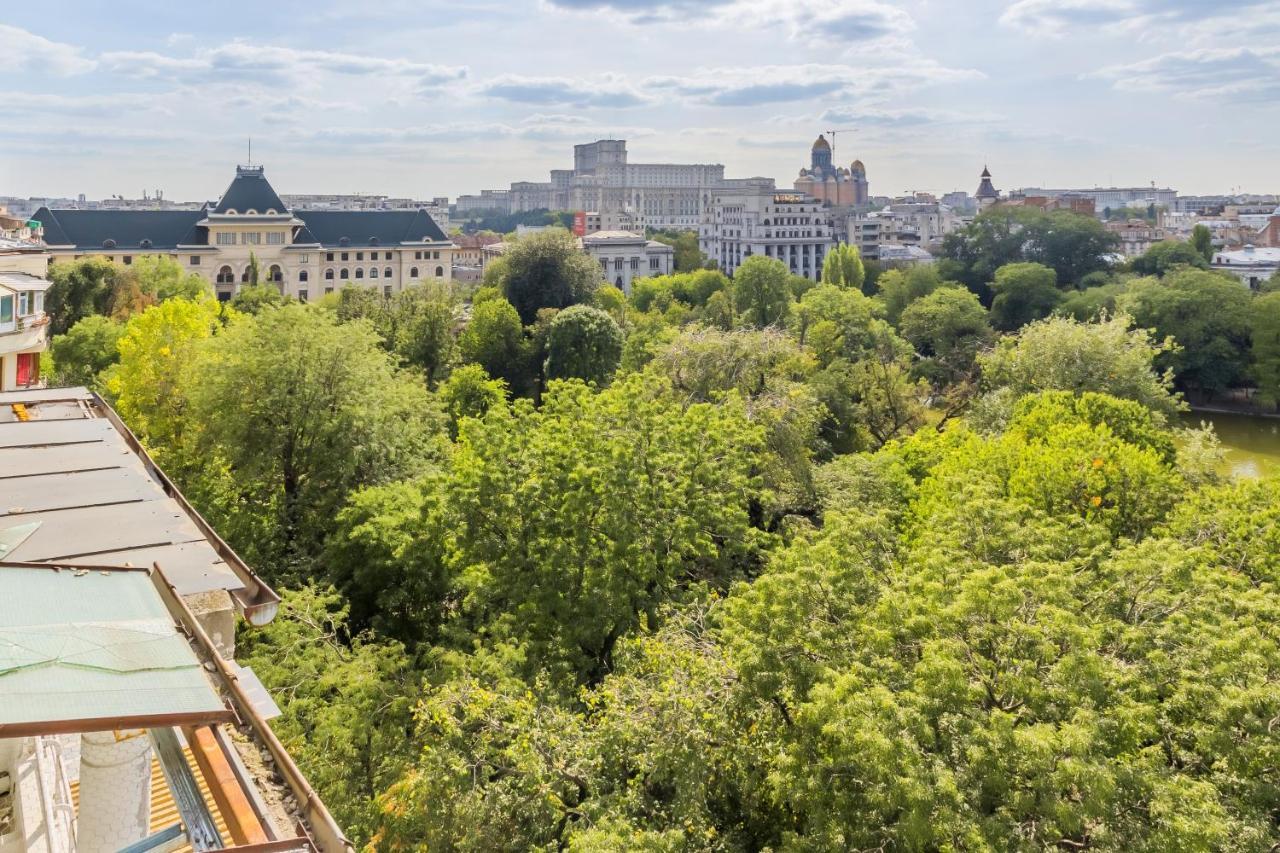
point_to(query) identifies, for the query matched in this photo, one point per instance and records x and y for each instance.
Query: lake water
(1252, 444)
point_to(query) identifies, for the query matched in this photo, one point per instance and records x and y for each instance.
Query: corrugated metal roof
(96, 501)
(93, 649)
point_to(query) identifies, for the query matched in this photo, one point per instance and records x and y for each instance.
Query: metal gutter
(258, 601)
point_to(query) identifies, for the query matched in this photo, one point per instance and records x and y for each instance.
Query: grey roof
(365, 228)
(128, 229)
(250, 190)
(98, 500)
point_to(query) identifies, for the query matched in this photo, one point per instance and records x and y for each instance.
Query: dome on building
(857, 166)
(821, 144)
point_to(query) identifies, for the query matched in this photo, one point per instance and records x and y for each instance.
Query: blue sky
(422, 98)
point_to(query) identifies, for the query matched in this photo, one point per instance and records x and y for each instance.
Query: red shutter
(28, 368)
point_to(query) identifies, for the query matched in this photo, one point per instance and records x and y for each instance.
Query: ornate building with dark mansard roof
(305, 253)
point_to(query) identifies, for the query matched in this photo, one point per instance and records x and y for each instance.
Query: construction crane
(832, 134)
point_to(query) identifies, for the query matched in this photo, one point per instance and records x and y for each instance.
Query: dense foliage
(743, 564)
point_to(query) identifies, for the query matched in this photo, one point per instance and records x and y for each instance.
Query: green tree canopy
(583, 343)
(948, 328)
(1207, 314)
(1168, 255)
(843, 267)
(494, 339)
(899, 288)
(86, 350)
(1024, 293)
(1264, 328)
(546, 270)
(77, 290)
(761, 293)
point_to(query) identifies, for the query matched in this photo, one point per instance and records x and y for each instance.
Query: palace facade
(305, 253)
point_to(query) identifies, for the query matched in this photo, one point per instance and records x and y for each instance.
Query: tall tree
(583, 343)
(843, 267)
(948, 328)
(546, 270)
(1023, 293)
(78, 289)
(1264, 316)
(494, 339)
(761, 293)
(1202, 241)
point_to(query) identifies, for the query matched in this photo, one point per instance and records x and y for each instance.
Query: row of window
(345, 274)
(249, 238)
(654, 264)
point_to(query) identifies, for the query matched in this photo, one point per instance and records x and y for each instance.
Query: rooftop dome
(858, 167)
(821, 144)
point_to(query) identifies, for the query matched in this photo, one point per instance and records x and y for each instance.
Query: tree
(761, 294)
(899, 288)
(1207, 314)
(1202, 242)
(688, 257)
(346, 702)
(470, 393)
(1092, 303)
(253, 270)
(78, 289)
(86, 350)
(583, 343)
(304, 411)
(1061, 354)
(425, 329)
(1168, 255)
(494, 339)
(1023, 293)
(618, 501)
(256, 298)
(163, 278)
(948, 328)
(843, 267)
(1264, 315)
(148, 386)
(546, 270)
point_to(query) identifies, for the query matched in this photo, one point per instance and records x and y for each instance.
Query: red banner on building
(580, 223)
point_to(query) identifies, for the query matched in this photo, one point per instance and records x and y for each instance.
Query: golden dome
(821, 144)
(857, 166)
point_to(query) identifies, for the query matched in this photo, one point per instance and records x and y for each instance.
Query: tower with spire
(987, 194)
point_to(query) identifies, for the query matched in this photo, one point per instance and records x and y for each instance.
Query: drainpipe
(115, 790)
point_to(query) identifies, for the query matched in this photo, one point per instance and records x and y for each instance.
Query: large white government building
(305, 253)
(789, 226)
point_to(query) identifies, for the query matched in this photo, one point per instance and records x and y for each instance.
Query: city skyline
(435, 99)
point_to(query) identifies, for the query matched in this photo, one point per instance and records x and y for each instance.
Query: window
(435, 256)
(328, 290)
(128, 259)
(387, 273)
(343, 274)
(359, 256)
(344, 255)
(328, 256)
(373, 272)
(386, 256)
(302, 295)
(386, 291)
(635, 263)
(417, 256)
(439, 272)
(226, 238)
(24, 303)
(306, 259)
(224, 296)
(275, 238)
(6, 309)
(359, 272)
(251, 238)
(195, 260)
(413, 273)
(302, 276)
(226, 276)
(653, 264)
(328, 275)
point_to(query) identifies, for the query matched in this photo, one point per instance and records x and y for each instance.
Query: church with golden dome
(834, 186)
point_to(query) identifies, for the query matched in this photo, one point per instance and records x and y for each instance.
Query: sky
(423, 98)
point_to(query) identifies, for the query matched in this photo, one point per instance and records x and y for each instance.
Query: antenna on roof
(250, 163)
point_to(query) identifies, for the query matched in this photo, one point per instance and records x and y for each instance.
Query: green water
(1252, 444)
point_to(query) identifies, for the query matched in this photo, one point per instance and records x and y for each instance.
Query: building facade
(1253, 266)
(305, 253)
(789, 226)
(625, 256)
(24, 326)
(834, 186)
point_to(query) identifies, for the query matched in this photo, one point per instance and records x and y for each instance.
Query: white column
(115, 790)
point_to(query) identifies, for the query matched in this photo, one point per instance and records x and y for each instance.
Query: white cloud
(25, 51)
(604, 90)
(1056, 18)
(1219, 74)
(844, 22)
(264, 63)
